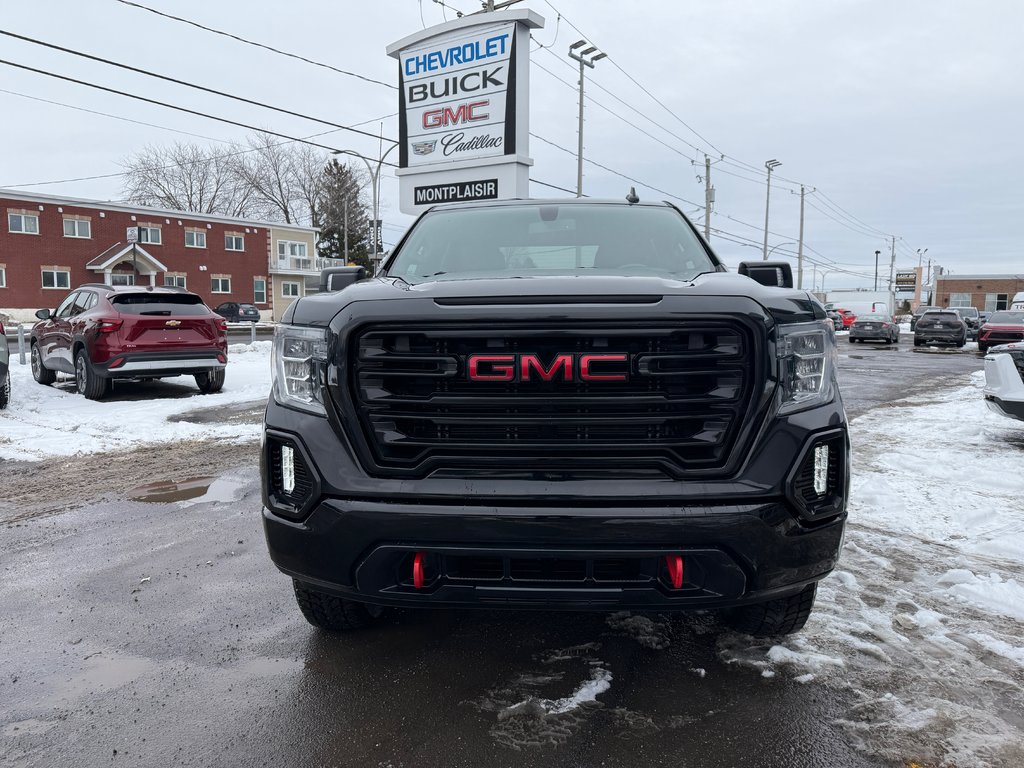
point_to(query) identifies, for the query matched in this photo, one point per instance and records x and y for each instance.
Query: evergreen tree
(342, 184)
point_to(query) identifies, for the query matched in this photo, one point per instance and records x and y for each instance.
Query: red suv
(101, 333)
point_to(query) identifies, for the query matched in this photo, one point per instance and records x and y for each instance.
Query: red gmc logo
(464, 113)
(604, 367)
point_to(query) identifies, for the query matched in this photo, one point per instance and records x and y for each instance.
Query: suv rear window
(176, 305)
(941, 316)
(551, 239)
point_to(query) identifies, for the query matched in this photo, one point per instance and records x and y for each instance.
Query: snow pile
(928, 591)
(42, 421)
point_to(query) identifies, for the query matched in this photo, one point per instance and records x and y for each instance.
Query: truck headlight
(300, 358)
(807, 364)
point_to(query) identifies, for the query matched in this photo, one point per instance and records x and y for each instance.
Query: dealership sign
(906, 282)
(464, 110)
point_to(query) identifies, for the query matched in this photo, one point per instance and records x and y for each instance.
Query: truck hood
(784, 304)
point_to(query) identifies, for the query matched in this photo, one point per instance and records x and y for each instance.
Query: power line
(240, 39)
(176, 81)
(182, 109)
(555, 186)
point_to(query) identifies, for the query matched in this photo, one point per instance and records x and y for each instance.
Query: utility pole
(892, 263)
(586, 57)
(709, 198)
(800, 246)
(876, 269)
(771, 165)
(346, 230)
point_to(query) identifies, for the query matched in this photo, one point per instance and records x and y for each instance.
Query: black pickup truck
(560, 404)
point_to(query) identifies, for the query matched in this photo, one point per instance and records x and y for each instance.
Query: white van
(1018, 301)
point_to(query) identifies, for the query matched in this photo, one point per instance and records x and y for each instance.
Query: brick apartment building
(988, 293)
(50, 244)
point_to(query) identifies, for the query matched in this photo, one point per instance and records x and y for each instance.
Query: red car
(848, 317)
(1004, 327)
(101, 333)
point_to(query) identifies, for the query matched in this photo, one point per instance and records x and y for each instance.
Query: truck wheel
(86, 382)
(781, 616)
(210, 381)
(40, 372)
(334, 614)
(5, 391)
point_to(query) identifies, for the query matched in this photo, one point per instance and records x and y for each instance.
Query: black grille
(688, 393)
(1003, 337)
(551, 570)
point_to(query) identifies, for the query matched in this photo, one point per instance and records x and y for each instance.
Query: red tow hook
(417, 571)
(675, 570)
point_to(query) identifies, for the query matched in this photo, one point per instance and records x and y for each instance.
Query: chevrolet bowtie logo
(174, 323)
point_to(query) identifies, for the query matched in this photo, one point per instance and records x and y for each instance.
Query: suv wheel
(781, 616)
(86, 382)
(210, 381)
(40, 372)
(334, 614)
(5, 391)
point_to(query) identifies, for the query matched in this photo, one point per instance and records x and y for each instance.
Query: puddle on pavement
(195, 490)
(165, 491)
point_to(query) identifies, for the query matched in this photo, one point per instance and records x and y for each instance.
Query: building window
(286, 248)
(995, 302)
(56, 278)
(290, 290)
(3, 277)
(259, 290)
(122, 278)
(78, 228)
(195, 239)
(959, 299)
(174, 281)
(25, 223)
(234, 243)
(221, 285)
(150, 235)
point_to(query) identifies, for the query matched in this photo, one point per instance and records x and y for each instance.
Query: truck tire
(335, 614)
(780, 616)
(210, 381)
(87, 383)
(40, 372)
(5, 391)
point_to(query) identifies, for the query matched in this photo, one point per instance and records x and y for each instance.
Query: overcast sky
(908, 116)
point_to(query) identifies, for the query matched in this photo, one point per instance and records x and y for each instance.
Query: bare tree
(188, 177)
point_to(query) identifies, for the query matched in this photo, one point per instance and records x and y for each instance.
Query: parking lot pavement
(147, 627)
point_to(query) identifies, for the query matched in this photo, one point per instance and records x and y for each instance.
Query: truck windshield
(535, 240)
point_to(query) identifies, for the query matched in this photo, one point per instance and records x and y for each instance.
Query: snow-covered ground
(923, 620)
(56, 421)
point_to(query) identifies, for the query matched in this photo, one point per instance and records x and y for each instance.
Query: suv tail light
(109, 326)
(2, 331)
(222, 325)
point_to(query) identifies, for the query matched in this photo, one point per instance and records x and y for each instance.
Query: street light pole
(586, 58)
(375, 189)
(876, 269)
(771, 165)
(779, 245)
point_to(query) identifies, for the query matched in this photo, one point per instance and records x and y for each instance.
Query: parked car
(1001, 328)
(1004, 380)
(234, 312)
(5, 369)
(971, 318)
(101, 333)
(849, 318)
(876, 326)
(942, 326)
(920, 311)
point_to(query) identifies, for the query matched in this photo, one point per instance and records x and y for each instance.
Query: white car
(1004, 380)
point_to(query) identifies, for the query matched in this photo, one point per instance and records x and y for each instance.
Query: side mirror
(43, 314)
(336, 278)
(776, 274)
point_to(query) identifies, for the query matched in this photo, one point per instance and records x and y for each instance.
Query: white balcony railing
(311, 265)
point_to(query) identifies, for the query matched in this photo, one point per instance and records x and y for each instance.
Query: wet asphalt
(149, 628)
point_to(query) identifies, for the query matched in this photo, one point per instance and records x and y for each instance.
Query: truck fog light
(288, 469)
(821, 469)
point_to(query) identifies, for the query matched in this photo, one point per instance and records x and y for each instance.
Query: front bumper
(551, 542)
